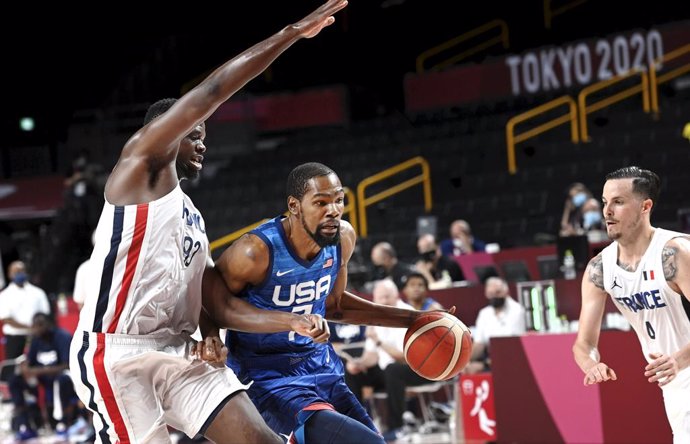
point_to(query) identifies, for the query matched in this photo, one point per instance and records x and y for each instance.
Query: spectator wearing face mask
(504, 316)
(386, 265)
(461, 240)
(572, 219)
(19, 302)
(439, 270)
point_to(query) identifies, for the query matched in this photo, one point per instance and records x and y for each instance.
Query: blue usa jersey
(290, 373)
(291, 285)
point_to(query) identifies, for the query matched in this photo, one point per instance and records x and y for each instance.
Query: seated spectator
(503, 317)
(461, 240)
(46, 363)
(593, 221)
(382, 365)
(19, 302)
(386, 264)
(416, 291)
(572, 218)
(439, 270)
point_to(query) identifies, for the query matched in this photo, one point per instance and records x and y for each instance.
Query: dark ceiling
(86, 59)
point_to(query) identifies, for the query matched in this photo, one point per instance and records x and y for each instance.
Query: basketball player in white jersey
(646, 271)
(132, 357)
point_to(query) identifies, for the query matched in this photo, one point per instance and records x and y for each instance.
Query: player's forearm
(359, 311)
(243, 316)
(207, 326)
(237, 72)
(586, 356)
(13, 323)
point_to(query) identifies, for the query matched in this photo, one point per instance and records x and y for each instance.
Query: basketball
(437, 346)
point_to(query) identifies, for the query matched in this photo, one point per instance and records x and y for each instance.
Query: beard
(320, 239)
(185, 171)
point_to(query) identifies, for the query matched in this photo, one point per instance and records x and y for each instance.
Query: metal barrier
(655, 80)
(642, 87)
(493, 24)
(424, 178)
(512, 139)
(550, 13)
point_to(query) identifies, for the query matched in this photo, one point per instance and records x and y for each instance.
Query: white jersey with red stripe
(656, 312)
(148, 264)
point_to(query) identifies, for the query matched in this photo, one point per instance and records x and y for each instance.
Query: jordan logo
(615, 284)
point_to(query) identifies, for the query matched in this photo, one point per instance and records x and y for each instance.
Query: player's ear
(293, 205)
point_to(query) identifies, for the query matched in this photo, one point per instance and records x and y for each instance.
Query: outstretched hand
(312, 24)
(311, 325)
(599, 373)
(211, 350)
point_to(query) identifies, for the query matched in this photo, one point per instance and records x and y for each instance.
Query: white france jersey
(659, 315)
(148, 261)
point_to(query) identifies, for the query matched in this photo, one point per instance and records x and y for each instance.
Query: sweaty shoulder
(348, 239)
(244, 262)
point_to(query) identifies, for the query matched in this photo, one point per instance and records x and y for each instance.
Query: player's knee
(333, 427)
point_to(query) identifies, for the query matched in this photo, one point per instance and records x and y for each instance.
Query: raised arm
(591, 314)
(245, 263)
(154, 147)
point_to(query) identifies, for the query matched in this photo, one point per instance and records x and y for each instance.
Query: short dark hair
(298, 179)
(416, 274)
(645, 182)
(157, 109)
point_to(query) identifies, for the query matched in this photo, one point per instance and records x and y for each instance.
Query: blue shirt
(50, 351)
(291, 285)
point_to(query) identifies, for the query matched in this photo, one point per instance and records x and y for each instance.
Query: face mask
(20, 278)
(429, 256)
(497, 302)
(590, 219)
(579, 199)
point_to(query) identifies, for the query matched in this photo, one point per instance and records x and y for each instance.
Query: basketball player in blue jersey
(646, 271)
(132, 358)
(298, 264)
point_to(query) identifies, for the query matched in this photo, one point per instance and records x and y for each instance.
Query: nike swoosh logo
(281, 273)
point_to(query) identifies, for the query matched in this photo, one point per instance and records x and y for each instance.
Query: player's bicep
(593, 303)
(676, 264)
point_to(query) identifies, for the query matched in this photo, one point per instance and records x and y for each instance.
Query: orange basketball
(437, 346)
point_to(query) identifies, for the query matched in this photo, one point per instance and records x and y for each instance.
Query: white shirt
(643, 296)
(391, 336)
(510, 321)
(81, 282)
(21, 304)
(146, 268)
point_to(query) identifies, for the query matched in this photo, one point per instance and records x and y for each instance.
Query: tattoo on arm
(596, 272)
(337, 315)
(668, 260)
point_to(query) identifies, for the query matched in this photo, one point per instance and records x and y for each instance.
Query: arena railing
(642, 87)
(424, 178)
(512, 138)
(655, 79)
(502, 38)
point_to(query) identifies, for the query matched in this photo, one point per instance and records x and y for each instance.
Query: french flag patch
(648, 275)
(329, 263)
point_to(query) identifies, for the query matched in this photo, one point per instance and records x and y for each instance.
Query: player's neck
(632, 248)
(302, 244)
